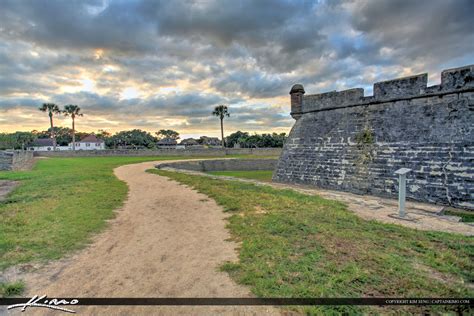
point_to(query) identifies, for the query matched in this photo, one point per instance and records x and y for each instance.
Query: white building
(45, 144)
(90, 142)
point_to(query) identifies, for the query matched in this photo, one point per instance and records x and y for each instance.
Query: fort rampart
(351, 142)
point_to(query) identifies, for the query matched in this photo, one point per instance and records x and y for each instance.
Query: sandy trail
(166, 241)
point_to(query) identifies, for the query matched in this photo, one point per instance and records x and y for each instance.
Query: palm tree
(73, 111)
(52, 109)
(221, 111)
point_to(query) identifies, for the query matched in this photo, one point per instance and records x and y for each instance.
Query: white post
(402, 185)
(402, 181)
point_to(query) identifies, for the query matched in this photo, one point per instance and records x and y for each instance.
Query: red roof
(91, 139)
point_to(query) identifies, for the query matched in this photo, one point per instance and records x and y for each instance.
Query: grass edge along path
(8, 289)
(61, 204)
(259, 175)
(296, 245)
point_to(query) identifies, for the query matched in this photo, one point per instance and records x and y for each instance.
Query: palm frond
(49, 107)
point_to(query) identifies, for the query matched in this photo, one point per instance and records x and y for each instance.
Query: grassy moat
(260, 175)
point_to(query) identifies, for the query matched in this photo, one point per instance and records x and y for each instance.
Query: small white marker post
(402, 184)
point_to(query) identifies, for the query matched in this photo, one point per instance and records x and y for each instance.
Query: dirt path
(6, 186)
(167, 241)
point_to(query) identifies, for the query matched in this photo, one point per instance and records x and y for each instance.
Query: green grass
(11, 289)
(260, 175)
(59, 205)
(466, 216)
(296, 245)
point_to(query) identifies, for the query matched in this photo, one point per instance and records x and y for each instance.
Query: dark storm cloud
(172, 105)
(19, 103)
(436, 30)
(16, 84)
(188, 104)
(221, 51)
(249, 23)
(73, 24)
(88, 101)
(253, 84)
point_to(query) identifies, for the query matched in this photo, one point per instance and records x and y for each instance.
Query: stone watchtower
(296, 93)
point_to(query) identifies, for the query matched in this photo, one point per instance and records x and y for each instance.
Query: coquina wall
(16, 160)
(222, 165)
(345, 141)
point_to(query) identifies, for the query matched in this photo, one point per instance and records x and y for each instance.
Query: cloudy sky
(166, 64)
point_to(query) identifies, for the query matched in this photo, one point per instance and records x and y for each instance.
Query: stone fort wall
(346, 141)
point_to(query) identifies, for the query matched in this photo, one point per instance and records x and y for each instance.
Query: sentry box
(402, 186)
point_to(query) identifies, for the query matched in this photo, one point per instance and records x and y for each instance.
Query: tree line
(246, 140)
(136, 138)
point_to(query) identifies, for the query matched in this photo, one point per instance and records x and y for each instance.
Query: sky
(166, 64)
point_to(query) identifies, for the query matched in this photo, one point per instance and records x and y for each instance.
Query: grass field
(260, 175)
(296, 245)
(59, 205)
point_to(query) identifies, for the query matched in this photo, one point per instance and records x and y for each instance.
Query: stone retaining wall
(222, 165)
(16, 160)
(212, 152)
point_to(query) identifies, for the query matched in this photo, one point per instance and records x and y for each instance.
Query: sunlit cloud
(110, 68)
(98, 53)
(129, 93)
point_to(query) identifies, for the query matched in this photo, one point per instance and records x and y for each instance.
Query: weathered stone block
(457, 78)
(332, 99)
(403, 87)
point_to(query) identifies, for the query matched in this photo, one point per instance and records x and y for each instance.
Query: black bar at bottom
(253, 301)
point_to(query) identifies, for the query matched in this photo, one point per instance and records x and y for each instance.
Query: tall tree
(167, 133)
(52, 109)
(23, 139)
(236, 138)
(135, 138)
(221, 111)
(73, 111)
(63, 135)
(17, 140)
(103, 134)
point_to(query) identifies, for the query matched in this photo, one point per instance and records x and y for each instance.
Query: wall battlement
(346, 141)
(452, 81)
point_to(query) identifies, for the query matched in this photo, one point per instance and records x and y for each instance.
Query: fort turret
(296, 92)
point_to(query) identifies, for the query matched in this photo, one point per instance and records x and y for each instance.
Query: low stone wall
(211, 152)
(16, 160)
(222, 165)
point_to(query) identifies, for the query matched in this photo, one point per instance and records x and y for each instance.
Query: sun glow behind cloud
(129, 93)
